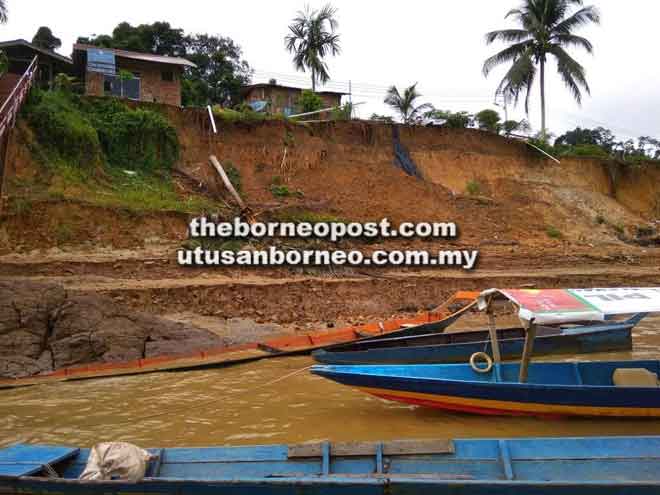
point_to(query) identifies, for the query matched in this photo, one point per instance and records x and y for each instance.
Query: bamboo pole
(225, 179)
(527, 352)
(212, 119)
(246, 213)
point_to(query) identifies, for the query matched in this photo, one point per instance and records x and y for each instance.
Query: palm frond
(393, 97)
(519, 79)
(573, 40)
(327, 13)
(571, 72)
(514, 12)
(508, 54)
(3, 11)
(507, 35)
(579, 19)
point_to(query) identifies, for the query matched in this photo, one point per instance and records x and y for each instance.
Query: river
(271, 401)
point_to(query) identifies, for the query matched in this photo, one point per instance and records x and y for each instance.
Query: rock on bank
(44, 328)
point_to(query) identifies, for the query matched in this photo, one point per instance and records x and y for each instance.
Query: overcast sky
(439, 44)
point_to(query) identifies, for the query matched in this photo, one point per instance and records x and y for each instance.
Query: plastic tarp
(553, 306)
(116, 460)
(258, 106)
(402, 158)
(101, 61)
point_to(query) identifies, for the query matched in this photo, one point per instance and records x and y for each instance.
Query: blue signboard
(99, 60)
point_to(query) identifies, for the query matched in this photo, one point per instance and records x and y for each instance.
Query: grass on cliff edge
(105, 153)
(137, 191)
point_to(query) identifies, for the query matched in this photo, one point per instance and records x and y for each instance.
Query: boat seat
(29, 460)
(634, 377)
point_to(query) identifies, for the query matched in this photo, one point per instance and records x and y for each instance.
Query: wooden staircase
(14, 89)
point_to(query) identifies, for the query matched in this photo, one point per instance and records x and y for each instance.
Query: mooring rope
(177, 410)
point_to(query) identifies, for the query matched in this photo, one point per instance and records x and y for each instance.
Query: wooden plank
(527, 353)
(433, 446)
(394, 447)
(494, 341)
(26, 460)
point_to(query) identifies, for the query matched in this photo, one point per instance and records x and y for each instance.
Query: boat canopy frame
(557, 306)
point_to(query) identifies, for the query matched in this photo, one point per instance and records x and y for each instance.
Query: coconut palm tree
(312, 37)
(404, 104)
(546, 28)
(3, 11)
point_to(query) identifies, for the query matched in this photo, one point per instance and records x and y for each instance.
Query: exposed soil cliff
(515, 193)
(346, 169)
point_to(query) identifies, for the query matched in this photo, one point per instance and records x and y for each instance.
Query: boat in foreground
(539, 466)
(459, 346)
(616, 388)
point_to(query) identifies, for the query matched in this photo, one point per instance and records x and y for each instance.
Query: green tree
(64, 82)
(404, 104)
(511, 126)
(546, 28)
(220, 72)
(309, 101)
(45, 38)
(159, 38)
(577, 137)
(454, 120)
(488, 120)
(312, 37)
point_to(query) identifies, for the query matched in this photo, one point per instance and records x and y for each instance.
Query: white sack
(116, 460)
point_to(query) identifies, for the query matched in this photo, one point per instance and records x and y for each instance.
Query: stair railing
(12, 104)
(8, 112)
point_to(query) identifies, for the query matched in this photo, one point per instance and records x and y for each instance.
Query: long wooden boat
(551, 389)
(521, 466)
(459, 346)
(304, 343)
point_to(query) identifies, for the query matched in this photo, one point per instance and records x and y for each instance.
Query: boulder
(43, 328)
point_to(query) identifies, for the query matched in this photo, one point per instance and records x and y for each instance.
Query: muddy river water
(266, 402)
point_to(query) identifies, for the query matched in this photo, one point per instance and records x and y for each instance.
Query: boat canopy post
(492, 330)
(530, 335)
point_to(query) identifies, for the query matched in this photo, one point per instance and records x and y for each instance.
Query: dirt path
(107, 284)
(304, 300)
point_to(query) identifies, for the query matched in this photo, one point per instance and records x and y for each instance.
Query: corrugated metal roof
(268, 85)
(147, 57)
(50, 53)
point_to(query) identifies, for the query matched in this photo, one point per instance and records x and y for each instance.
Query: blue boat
(551, 389)
(459, 346)
(522, 466)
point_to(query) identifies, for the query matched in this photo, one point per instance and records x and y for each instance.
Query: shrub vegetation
(90, 132)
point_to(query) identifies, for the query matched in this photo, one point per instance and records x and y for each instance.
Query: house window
(167, 76)
(123, 88)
